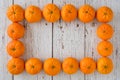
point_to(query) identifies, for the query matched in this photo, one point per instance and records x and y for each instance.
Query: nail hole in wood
(46, 24)
(61, 27)
(77, 25)
(93, 24)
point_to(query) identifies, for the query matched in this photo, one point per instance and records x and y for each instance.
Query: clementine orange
(52, 66)
(15, 66)
(104, 65)
(15, 48)
(33, 14)
(15, 31)
(105, 31)
(68, 13)
(51, 13)
(104, 14)
(86, 13)
(15, 13)
(87, 65)
(33, 66)
(70, 65)
(105, 48)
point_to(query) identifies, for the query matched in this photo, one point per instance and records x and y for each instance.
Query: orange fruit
(69, 13)
(52, 66)
(104, 14)
(33, 14)
(15, 66)
(15, 13)
(51, 13)
(87, 65)
(15, 31)
(86, 13)
(33, 66)
(15, 48)
(105, 31)
(70, 65)
(104, 65)
(105, 48)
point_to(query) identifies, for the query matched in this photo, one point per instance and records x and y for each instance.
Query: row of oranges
(105, 32)
(105, 47)
(16, 48)
(52, 66)
(52, 13)
(16, 31)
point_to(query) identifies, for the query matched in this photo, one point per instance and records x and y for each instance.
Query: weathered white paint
(38, 40)
(68, 40)
(4, 57)
(91, 44)
(60, 40)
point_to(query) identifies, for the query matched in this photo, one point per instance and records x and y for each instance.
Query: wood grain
(4, 57)
(91, 44)
(68, 40)
(37, 39)
(60, 40)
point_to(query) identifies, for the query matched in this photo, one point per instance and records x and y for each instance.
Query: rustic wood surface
(60, 40)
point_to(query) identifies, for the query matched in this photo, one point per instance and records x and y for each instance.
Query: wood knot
(93, 24)
(77, 25)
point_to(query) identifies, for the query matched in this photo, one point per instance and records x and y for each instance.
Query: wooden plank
(4, 57)
(92, 40)
(116, 39)
(116, 42)
(68, 40)
(37, 39)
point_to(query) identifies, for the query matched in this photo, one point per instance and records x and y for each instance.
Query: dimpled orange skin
(15, 31)
(15, 48)
(104, 65)
(15, 66)
(86, 13)
(70, 65)
(105, 31)
(33, 14)
(15, 13)
(87, 65)
(51, 13)
(52, 66)
(104, 14)
(105, 48)
(33, 66)
(68, 12)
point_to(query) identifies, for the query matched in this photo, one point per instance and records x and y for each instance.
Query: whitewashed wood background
(60, 40)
